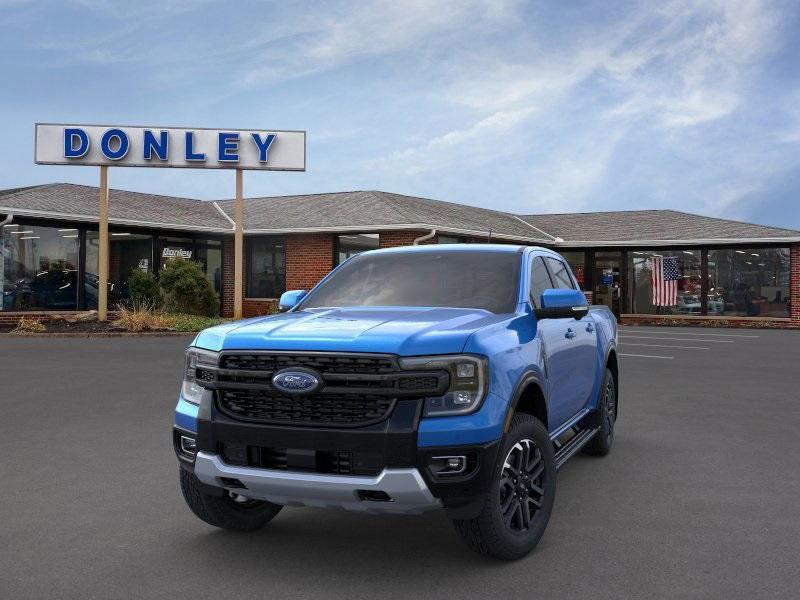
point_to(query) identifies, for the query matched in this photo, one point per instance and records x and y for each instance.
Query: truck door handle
(570, 334)
(589, 327)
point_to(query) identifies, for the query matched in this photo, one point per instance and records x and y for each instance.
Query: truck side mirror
(560, 304)
(290, 299)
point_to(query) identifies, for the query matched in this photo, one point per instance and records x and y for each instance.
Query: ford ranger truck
(457, 377)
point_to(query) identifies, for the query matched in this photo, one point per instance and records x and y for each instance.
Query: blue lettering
(190, 153)
(228, 147)
(159, 146)
(263, 145)
(70, 137)
(122, 144)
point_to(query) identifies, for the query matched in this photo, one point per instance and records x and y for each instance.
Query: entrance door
(608, 280)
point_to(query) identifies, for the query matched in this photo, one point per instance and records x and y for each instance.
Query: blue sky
(521, 106)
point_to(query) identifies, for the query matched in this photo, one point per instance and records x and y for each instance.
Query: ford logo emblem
(293, 381)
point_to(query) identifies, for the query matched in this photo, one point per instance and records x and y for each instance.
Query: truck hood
(403, 331)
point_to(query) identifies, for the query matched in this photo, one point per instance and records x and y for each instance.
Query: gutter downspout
(7, 220)
(425, 237)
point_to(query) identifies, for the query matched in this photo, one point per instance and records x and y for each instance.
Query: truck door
(570, 346)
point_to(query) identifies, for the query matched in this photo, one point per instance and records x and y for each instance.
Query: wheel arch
(529, 399)
(612, 363)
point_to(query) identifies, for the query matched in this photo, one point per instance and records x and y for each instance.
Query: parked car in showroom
(455, 377)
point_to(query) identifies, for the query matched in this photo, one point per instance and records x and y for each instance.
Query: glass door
(608, 279)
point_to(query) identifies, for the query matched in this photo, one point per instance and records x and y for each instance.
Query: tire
(605, 418)
(493, 532)
(226, 511)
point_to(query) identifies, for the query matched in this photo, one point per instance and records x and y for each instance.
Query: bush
(141, 317)
(26, 325)
(143, 289)
(186, 289)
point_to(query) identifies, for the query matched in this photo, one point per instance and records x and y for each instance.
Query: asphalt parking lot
(699, 498)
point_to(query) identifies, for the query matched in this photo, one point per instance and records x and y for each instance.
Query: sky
(528, 107)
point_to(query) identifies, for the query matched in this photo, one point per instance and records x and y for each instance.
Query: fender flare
(528, 378)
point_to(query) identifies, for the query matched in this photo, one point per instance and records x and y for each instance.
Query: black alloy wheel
(522, 485)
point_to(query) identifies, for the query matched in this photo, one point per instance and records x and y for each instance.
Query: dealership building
(719, 271)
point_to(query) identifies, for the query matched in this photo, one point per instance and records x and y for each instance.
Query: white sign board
(189, 148)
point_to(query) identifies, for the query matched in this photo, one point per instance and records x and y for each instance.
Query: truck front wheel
(521, 498)
(227, 511)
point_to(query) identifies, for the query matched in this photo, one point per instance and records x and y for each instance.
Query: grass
(26, 325)
(144, 317)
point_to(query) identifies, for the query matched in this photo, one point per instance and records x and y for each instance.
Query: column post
(103, 254)
(238, 253)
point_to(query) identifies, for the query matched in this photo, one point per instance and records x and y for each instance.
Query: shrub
(186, 289)
(28, 325)
(141, 317)
(143, 289)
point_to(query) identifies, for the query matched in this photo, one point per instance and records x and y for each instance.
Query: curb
(100, 334)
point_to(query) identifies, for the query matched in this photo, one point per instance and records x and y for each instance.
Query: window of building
(350, 245)
(748, 282)
(266, 267)
(577, 262)
(39, 268)
(128, 252)
(209, 255)
(665, 281)
(448, 239)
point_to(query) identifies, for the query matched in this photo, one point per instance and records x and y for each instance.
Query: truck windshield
(485, 280)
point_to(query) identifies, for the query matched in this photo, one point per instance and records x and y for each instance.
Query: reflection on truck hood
(404, 331)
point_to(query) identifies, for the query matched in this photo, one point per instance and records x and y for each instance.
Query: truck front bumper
(399, 491)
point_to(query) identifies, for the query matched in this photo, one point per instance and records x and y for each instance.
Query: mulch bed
(85, 327)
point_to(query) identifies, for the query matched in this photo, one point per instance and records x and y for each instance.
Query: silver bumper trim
(407, 489)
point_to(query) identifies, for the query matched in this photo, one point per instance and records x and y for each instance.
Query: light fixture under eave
(30, 237)
(70, 236)
(120, 234)
(21, 232)
(61, 230)
(12, 225)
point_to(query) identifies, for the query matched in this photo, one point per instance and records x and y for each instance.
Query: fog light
(188, 445)
(448, 465)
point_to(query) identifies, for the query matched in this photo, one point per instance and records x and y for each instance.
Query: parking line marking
(665, 346)
(736, 335)
(648, 356)
(653, 337)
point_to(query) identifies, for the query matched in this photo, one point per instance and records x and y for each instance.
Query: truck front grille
(345, 410)
(357, 389)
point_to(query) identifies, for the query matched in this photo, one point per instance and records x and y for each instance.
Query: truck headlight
(468, 382)
(196, 359)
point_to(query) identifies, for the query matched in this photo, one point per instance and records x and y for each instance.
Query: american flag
(664, 279)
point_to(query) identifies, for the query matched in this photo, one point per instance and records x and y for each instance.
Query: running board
(565, 452)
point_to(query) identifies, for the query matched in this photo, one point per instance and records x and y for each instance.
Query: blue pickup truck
(456, 377)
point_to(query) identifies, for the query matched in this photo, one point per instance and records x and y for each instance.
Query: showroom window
(128, 252)
(448, 239)
(39, 267)
(577, 262)
(350, 245)
(209, 255)
(665, 282)
(266, 267)
(748, 282)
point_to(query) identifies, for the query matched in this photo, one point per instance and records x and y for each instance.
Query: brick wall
(794, 284)
(228, 266)
(256, 308)
(309, 257)
(392, 239)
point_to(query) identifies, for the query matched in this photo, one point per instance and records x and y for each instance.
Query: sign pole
(102, 257)
(238, 256)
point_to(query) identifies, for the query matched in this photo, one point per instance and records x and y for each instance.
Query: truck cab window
(540, 280)
(562, 279)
